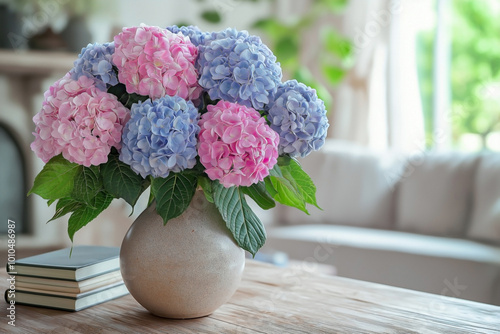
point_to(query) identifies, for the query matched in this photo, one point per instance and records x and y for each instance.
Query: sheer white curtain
(378, 104)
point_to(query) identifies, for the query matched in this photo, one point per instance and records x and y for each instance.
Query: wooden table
(278, 300)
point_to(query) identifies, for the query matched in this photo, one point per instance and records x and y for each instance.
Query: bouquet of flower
(176, 109)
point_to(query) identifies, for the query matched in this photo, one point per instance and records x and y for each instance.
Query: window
(458, 57)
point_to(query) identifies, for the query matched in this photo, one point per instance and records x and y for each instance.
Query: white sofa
(428, 221)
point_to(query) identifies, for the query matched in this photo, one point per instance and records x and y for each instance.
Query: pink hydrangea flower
(155, 62)
(236, 145)
(79, 121)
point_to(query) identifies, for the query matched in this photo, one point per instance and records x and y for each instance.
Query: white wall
(235, 13)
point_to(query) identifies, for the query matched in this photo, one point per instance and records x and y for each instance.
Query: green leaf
(151, 198)
(50, 201)
(65, 206)
(173, 194)
(86, 213)
(287, 194)
(211, 16)
(287, 48)
(269, 187)
(301, 180)
(260, 195)
(335, 5)
(56, 180)
(333, 73)
(284, 161)
(288, 184)
(337, 44)
(121, 181)
(206, 184)
(120, 91)
(182, 24)
(245, 226)
(276, 171)
(87, 184)
(134, 98)
(272, 27)
(286, 191)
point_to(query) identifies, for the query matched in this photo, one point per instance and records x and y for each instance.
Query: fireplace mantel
(26, 72)
(35, 63)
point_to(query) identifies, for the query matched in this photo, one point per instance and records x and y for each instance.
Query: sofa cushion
(485, 220)
(396, 241)
(446, 266)
(435, 193)
(355, 186)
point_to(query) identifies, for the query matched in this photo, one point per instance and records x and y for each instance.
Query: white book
(68, 286)
(81, 263)
(78, 303)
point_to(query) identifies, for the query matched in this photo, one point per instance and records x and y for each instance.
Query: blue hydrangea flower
(229, 33)
(160, 136)
(95, 61)
(237, 67)
(299, 117)
(194, 33)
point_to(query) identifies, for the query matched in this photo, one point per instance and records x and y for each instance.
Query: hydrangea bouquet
(176, 109)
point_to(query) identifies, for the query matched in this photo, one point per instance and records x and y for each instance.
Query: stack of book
(68, 280)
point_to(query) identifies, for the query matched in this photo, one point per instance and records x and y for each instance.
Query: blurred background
(409, 76)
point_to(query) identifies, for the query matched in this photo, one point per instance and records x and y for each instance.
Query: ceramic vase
(186, 268)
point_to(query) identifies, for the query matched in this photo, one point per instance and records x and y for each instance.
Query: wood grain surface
(278, 300)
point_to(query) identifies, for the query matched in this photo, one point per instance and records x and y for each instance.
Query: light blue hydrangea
(229, 33)
(194, 33)
(95, 61)
(237, 67)
(160, 136)
(299, 117)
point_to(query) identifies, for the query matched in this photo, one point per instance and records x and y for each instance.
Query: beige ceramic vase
(185, 269)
